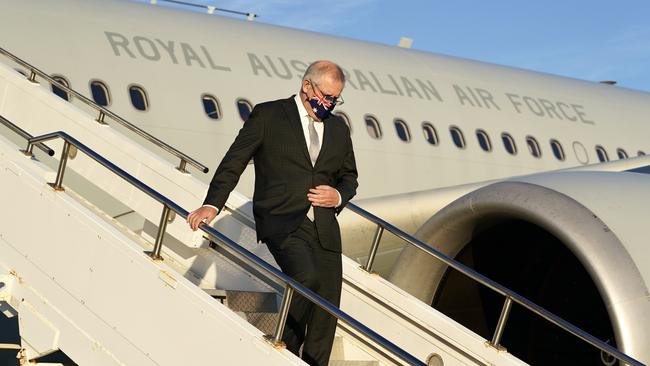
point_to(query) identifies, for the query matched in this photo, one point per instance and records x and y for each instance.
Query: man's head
(321, 88)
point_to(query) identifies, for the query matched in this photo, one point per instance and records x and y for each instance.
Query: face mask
(321, 107)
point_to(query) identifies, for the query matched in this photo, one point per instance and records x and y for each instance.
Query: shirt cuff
(340, 199)
(218, 210)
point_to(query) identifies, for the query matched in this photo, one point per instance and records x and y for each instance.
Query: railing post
(181, 167)
(61, 171)
(100, 118)
(276, 338)
(29, 150)
(32, 76)
(501, 325)
(162, 227)
(373, 249)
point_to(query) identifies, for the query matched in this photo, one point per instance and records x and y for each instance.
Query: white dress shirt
(319, 126)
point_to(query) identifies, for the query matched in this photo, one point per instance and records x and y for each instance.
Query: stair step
(252, 302)
(259, 308)
(216, 293)
(345, 353)
(265, 322)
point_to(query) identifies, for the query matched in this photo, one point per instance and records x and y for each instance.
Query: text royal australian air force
(201, 57)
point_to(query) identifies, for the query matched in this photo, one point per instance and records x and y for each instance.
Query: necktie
(314, 149)
(314, 145)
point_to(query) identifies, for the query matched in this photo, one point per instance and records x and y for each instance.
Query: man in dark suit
(305, 173)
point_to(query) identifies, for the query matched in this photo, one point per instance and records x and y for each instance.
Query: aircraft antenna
(405, 42)
(210, 9)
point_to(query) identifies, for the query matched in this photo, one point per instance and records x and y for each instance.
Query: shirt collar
(301, 107)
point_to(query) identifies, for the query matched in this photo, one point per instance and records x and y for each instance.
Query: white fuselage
(178, 56)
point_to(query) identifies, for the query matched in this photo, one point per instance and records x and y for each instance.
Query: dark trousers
(301, 256)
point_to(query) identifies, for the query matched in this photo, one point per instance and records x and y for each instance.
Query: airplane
(518, 174)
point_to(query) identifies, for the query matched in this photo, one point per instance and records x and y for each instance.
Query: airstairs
(96, 259)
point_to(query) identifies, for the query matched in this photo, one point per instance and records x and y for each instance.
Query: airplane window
(533, 146)
(373, 127)
(138, 98)
(558, 151)
(509, 143)
(430, 133)
(211, 106)
(345, 119)
(622, 154)
(403, 131)
(58, 91)
(602, 154)
(484, 140)
(245, 108)
(641, 153)
(457, 137)
(100, 94)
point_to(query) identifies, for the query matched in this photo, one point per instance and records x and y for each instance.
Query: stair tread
(258, 302)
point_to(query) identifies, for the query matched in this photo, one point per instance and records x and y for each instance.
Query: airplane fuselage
(413, 99)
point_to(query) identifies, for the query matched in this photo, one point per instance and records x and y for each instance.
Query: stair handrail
(104, 112)
(394, 353)
(510, 295)
(24, 134)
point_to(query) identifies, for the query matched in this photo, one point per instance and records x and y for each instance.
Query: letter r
(117, 40)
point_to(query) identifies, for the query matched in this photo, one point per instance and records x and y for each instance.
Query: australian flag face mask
(322, 107)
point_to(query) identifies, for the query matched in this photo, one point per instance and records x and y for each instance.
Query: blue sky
(592, 40)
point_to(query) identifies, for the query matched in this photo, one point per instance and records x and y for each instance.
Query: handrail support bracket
(501, 324)
(276, 338)
(58, 183)
(101, 117)
(162, 227)
(373, 249)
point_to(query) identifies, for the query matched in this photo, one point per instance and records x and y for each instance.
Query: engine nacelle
(573, 242)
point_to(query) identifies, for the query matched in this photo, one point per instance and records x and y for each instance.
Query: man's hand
(323, 196)
(203, 214)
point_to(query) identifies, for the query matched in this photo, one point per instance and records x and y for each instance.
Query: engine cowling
(573, 242)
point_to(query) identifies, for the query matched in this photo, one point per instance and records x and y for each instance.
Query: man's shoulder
(273, 104)
(338, 123)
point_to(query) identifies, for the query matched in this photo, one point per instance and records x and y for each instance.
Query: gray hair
(318, 69)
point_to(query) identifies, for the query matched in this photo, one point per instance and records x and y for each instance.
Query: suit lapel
(327, 136)
(294, 121)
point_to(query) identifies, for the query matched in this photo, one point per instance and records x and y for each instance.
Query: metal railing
(103, 113)
(510, 296)
(22, 133)
(385, 347)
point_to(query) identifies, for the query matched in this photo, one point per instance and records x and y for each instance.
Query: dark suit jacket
(274, 138)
